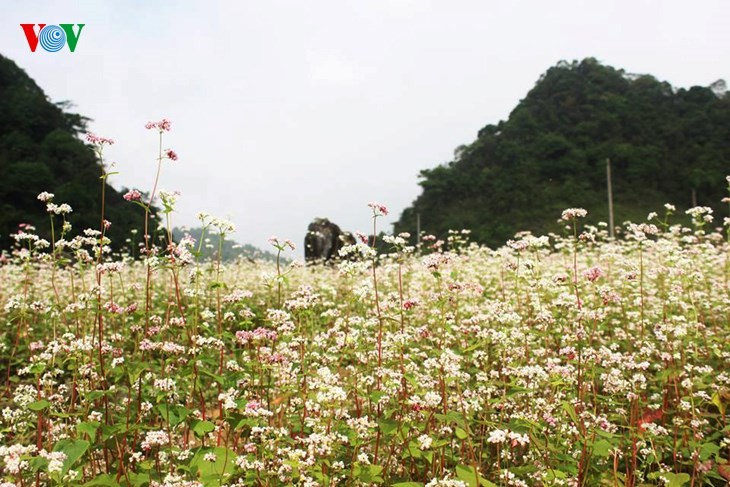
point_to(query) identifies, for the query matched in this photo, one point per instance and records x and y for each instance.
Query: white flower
(572, 213)
(424, 442)
(497, 436)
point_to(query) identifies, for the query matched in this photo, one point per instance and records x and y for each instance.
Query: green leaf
(370, 474)
(176, 414)
(102, 480)
(457, 418)
(37, 369)
(219, 379)
(553, 474)
(408, 484)
(602, 448)
(39, 405)
(709, 450)
(109, 430)
(138, 479)
(571, 412)
(461, 434)
(605, 434)
(428, 456)
(676, 479)
(94, 395)
(201, 428)
(88, 428)
(212, 473)
(73, 449)
(38, 463)
(375, 396)
(388, 426)
(468, 475)
(717, 401)
(413, 450)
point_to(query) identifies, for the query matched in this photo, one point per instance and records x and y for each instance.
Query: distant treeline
(231, 250)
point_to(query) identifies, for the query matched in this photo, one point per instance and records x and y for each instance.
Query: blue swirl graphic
(52, 38)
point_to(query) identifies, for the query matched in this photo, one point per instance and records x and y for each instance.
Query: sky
(284, 111)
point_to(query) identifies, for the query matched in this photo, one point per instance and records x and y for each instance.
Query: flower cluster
(163, 125)
(100, 141)
(132, 195)
(573, 213)
(551, 360)
(378, 209)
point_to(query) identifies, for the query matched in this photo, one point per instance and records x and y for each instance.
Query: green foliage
(40, 151)
(211, 473)
(73, 449)
(551, 154)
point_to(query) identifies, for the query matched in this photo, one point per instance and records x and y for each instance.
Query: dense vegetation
(553, 361)
(550, 362)
(664, 145)
(40, 151)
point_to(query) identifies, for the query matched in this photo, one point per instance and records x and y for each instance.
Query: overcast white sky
(287, 110)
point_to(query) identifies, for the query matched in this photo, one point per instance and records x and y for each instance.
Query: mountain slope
(665, 145)
(40, 151)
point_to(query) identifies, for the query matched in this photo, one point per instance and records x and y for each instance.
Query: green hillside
(665, 145)
(40, 150)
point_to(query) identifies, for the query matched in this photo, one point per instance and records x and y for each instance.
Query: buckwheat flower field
(560, 360)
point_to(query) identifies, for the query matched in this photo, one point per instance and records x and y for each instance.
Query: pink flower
(163, 125)
(409, 303)
(95, 139)
(363, 238)
(171, 154)
(378, 209)
(243, 336)
(107, 224)
(113, 307)
(276, 242)
(252, 406)
(593, 273)
(133, 195)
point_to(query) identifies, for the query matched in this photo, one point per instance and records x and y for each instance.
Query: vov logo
(51, 37)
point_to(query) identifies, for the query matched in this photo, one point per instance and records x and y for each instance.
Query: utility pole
(610, 197)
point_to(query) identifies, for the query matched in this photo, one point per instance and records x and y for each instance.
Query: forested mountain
(665, 145)
(40, 150)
